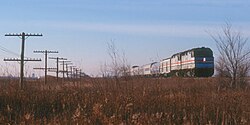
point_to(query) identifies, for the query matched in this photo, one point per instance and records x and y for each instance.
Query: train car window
(162, 68)
(179, 58)
(166, 66)
(192, 54)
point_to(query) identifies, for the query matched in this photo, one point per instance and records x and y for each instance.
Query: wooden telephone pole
(71, 71)
(63, 64)
(45, 52)
(57, 65)
(23, 36)
(67, 69)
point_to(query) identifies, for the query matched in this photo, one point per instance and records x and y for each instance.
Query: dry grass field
(130, 101)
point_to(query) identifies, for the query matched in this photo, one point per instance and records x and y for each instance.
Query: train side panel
(187, 60)
(176, 62)
(155, 69)
(134, 71)
(165, 67)
(146, 69)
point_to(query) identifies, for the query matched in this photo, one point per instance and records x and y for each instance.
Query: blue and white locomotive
(197, 62)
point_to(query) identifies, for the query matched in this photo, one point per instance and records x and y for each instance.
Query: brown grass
(136, 101)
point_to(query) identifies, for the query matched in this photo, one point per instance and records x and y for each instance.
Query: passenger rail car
(151, 69)
(197, 62)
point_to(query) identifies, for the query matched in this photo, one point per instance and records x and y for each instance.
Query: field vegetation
(126, 101)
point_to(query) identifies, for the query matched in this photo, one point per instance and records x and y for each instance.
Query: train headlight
(204, 59)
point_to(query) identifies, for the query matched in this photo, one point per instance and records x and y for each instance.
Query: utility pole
(23, 36)
(71, 71)
(63, 71)
(67, 67)
(80, 75)
(76, 72)
(45, 52)
(57, 65)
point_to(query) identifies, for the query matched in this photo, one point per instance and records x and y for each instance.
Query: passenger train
(197, 62)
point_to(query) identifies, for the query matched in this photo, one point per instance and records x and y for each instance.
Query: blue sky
(144, 30)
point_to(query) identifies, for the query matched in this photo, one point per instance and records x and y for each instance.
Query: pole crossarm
(43, 68)
(45, 51)
(64, 61)
(52, 70)
(68, 64)
(16, 59)
(20, 34)
(57, 58)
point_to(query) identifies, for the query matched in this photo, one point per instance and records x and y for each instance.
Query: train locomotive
(196, 62)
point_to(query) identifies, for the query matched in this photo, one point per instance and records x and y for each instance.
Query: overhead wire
(8, 51)
(11, 53)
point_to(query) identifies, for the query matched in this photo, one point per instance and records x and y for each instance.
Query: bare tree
(114, 55)
(125, 67)
(119, 65)
(104, 70)
(234, 58)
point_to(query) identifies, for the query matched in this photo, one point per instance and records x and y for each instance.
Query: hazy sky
(145, 30)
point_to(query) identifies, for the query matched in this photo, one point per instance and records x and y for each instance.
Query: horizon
(145, 31)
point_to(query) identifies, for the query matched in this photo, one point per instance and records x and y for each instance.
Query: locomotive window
(179, 58)
(203, 53)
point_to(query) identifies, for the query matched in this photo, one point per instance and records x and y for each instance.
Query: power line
(11, 52)
(8, 51)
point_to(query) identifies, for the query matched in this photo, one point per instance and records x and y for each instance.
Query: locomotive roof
(150, 63)
(185, 51)
(190, 50)
(134, 66)
(166, 58)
